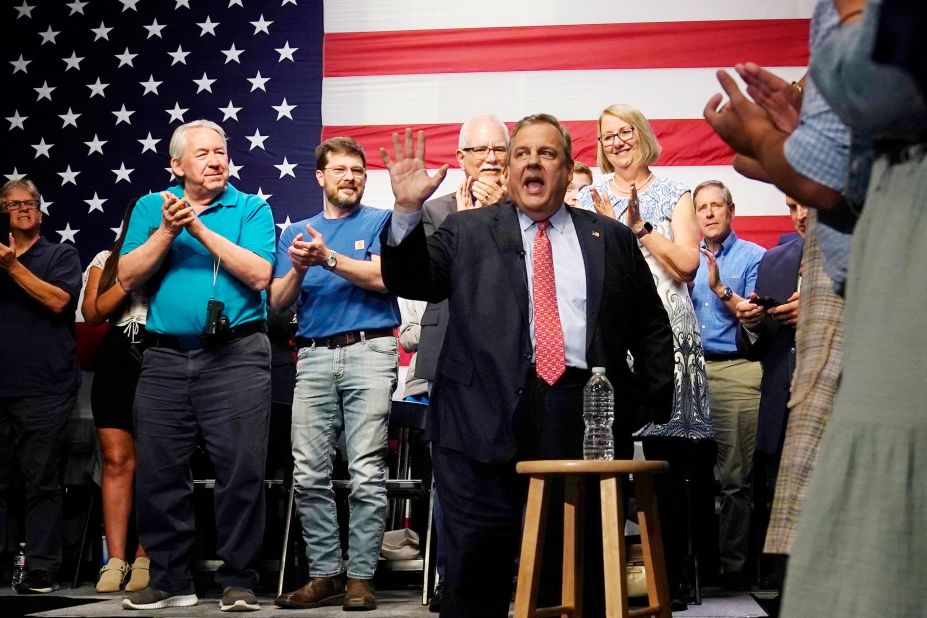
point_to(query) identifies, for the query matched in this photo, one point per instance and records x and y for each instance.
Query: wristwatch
(728, 293)
(331, 261)
(644, 230)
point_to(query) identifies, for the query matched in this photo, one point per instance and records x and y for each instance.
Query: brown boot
(318, 592)
(359, 596)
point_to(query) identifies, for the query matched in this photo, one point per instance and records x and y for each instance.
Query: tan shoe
(359, 596)
(318, 592)
(111, 575)
(138, 574)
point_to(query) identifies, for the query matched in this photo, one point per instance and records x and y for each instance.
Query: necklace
(628, 190)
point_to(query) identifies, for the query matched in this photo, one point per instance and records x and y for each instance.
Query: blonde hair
(647, 144)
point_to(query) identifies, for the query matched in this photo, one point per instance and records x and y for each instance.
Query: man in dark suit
(767, 334)
(538, 294)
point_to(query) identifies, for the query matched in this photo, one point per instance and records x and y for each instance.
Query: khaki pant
(734, 394)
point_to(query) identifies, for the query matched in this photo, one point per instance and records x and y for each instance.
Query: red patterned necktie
(547, 330)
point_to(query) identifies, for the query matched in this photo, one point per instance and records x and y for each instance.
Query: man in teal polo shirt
(204, 252)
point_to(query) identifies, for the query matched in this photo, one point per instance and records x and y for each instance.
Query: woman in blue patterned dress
(661, 213)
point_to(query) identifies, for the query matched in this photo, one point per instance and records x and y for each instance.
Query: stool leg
(652, 543)
(614, 553)
(572, 589)
(532, 546)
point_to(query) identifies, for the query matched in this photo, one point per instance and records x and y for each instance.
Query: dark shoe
(359, 596)
(38, 582)
(434, 605)
(679, 597)
(318, 592)
(235, 599)
(152, 598)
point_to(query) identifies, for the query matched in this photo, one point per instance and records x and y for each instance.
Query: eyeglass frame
(344, 171)
(609, 138)
(17, 205)
(500, 151)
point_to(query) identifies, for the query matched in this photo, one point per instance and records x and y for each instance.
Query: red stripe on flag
(684, 142)
(764, 230)
(687, 44)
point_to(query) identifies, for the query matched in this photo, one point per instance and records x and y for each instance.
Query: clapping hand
(603, 205)
(740, 122)
(488, 192)
(409, 178)
(176, 214)
(7, 253)
(780, 99)
(714, 274)
(633, 217)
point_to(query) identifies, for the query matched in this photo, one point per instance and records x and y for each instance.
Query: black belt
(183, 343)
(344, 339)
(729, 356)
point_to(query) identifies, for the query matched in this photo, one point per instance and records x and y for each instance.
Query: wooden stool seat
(614, 552)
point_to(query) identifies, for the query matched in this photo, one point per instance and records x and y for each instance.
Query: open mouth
(533, 184)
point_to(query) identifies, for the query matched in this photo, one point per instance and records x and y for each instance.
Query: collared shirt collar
(229, 197)
(726, 244)
(559, 220)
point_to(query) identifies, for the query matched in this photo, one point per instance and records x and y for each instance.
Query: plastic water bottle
(19, 566)
(598, 414)
(104, 554)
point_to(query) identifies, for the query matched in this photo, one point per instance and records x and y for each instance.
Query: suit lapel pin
(595, 233)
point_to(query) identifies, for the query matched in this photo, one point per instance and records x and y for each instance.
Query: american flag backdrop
(94, 88)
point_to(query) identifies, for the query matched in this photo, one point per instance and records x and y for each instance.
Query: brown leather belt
(344, 339)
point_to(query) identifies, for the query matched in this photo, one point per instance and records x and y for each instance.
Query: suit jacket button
(527, 355)
(519, 392)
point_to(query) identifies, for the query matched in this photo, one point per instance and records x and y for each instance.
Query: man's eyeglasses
(12, 205)
(624, 135)
(341, 172)
(483, 151)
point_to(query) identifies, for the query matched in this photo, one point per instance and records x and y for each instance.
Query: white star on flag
(123, 115)
(16, 121)
(261, 25)
(177, 113)
(150, 86)
(24, 10)
(154, 29)
(286, 52)
(286, 168)
(204, 83)
(67, 234)
(44, 204)
(68, 176)
(286, 222)
(97, 89)
(102, 32)
(44, 92)
(41, 149)
(96, 203)
(122, 173)
(49, 36)
(125, 58)
(15, 175)
(149, 143)
(232, 54)
(76, 7)
(95, 145)
(234, 169)
(207, 26)
(264, 196)
(283, 110)
(69, 119)
(257, 82)
(73, 62)
(230, 111)
(128, 4)
(257, 140)
(178, 56)
(20, 65)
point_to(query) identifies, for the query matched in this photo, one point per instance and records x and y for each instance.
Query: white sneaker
(150, 598)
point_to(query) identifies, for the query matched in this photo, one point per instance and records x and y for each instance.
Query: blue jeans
(343, 389)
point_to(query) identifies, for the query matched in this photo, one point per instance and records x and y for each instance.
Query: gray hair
(716, 184)
(566, 142)
(22, 183)
(462, 141)
(179, 138)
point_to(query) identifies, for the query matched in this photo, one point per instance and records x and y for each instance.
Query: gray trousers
(32, 430)
(734, 395)
(222, 393)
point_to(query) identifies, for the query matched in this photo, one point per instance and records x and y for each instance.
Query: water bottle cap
(598, 370)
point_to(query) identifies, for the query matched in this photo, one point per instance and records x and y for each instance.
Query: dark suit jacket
(476, 261)
(775, 347)
(434, 319)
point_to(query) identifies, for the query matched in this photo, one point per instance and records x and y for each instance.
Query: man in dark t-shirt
(39, 286)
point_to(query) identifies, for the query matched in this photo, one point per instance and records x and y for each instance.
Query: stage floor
(404, 603)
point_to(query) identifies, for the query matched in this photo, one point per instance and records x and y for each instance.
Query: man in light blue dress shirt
(726, 276)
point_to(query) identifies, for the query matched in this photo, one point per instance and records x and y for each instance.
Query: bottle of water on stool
(19, 566)
(598, 414)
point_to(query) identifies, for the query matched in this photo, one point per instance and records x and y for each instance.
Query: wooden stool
(613, 546)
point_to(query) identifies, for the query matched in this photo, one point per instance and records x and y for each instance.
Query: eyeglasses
(11, 205)
(483, 151)
(624, 135)
(341, 172)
